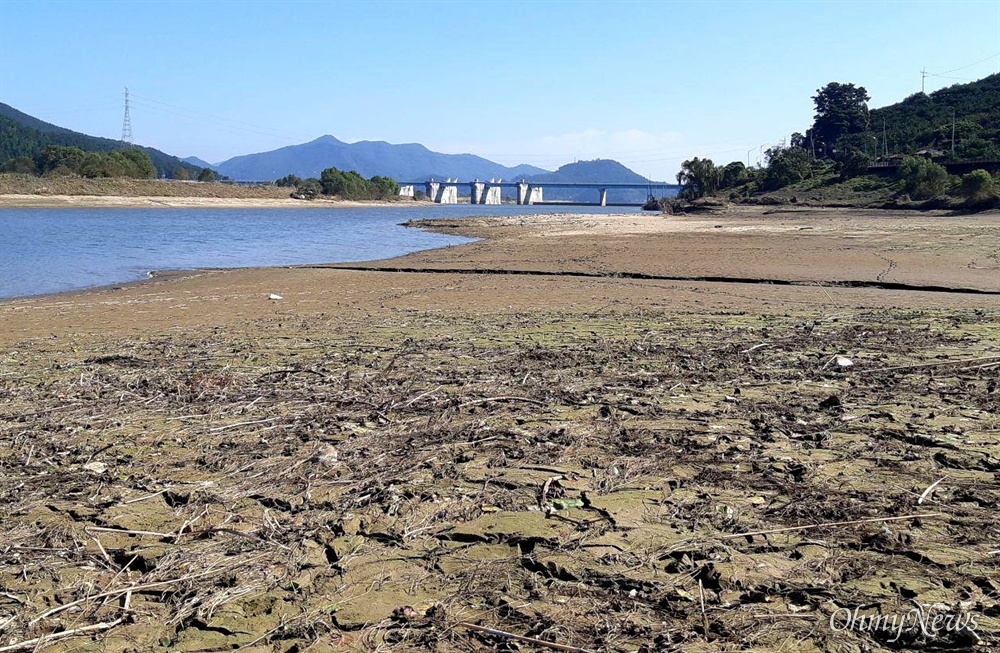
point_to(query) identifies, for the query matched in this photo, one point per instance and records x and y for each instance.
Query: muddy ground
(398, 461)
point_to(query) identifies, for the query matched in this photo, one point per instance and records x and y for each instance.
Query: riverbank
(28, 191)
(392, 459)
(15, 201)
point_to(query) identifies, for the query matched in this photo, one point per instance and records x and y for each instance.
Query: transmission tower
(127, 124)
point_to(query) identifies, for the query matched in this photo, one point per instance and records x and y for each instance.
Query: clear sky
(646, 83)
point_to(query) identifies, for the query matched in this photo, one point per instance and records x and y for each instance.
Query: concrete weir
(482, 192)
(443, 192)
(526, 193)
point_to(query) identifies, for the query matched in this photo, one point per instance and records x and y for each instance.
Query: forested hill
(924, 122)
(598, 171)
(24, 135)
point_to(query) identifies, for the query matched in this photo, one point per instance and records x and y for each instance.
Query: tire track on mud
(878, 284)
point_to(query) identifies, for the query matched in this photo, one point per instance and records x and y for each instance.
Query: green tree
(733, 175)
(308, 188)
(19, 164)
(383, 188)
(181, 174)
(854, 164)
(977, 185)
(347, 185)
(288, 181)
(207, 174)
(55, 157)
(138, 163)
(785, 166)
(841, 109)
(698, 177)
(922, 178)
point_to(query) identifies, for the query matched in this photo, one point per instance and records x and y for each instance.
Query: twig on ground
(487, 400)
(55, 637)
(522, 638)
(929, 490)
(871, 520)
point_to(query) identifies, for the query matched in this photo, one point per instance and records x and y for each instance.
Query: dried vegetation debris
(617, 481)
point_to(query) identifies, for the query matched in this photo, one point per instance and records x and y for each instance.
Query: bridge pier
(522, 192)
(449, 194)
(604, 197)
(406, 190)
(492, 195)
(442, 193)
(535, 194)
(476, 191)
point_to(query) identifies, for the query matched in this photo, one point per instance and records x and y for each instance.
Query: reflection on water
(51, 250)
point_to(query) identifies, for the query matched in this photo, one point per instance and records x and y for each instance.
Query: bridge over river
(526, 192)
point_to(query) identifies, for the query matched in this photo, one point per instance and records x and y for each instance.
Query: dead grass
(602, 481)
(16, 184)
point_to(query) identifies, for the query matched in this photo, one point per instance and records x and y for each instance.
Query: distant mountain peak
(328, 139)
(408, 162)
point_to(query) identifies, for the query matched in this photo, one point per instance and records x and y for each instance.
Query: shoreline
(801, 258)
(25, 201)
(486, 229)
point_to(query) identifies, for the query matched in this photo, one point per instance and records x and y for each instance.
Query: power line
(974, 63)
(201, 115)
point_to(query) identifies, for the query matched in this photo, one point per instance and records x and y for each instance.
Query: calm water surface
(52, 250)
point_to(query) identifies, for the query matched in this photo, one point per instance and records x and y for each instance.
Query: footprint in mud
(892, 266)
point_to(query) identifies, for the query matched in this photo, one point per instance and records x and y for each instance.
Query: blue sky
(647, 83)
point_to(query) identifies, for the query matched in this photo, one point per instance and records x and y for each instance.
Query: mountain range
(414, 162)
(407, 162)
(25, 135)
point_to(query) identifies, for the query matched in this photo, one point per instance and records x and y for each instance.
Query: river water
(54, 250)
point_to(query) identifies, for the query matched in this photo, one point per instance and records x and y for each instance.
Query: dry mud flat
(618, 468)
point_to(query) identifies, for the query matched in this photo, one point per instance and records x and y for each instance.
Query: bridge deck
(546, 184)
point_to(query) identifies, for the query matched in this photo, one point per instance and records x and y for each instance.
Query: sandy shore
(522, 434)
(13, 201)
(815, 248)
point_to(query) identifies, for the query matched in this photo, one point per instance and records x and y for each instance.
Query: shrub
(785, 166)
(922, 178)
(977, 185)
(307, 189)
(854, 164)
(19, 164)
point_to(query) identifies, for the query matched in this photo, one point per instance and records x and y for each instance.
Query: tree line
(842, 144)
(59, 161)
(348, 185)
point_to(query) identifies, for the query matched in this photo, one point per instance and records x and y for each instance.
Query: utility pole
(885, 143)
(923, 76)
(127, 124)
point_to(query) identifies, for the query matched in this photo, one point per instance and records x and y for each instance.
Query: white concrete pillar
(604, 197)
(476, 189)
(434, 191)
(449, 194)
(493, 195)
(522, 192)
(535, 195)
(406, 190)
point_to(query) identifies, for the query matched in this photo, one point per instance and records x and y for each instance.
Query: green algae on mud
(316, 485)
